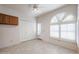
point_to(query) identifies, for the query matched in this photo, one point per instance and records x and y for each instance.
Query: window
(61, 16)
(54, 31)
(62, 26)
(54, 28)
(68, 18)
(68, 31)
(38, 29)
(54, 20)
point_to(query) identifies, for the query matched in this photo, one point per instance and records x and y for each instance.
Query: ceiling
(43, 8)
(24, 8)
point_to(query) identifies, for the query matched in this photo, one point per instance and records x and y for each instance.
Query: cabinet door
(1, 18)
(6, 19)
(13, 20)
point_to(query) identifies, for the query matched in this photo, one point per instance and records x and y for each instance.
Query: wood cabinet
(1, 18)
(8, 19)
(13, 20)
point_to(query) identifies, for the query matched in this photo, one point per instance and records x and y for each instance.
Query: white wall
(45, 22)
(12, 34)
(27, 30)
(78, 28)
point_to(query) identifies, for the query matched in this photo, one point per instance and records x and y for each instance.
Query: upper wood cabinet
(1, 18)
(13, 20)
(7, 19)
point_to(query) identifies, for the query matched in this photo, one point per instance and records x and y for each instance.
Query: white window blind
(54, 31)
(68, 31)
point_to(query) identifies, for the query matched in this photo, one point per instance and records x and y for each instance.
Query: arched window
(54, 27)
(61, 16)
(68, 18)
(62, 26)
(58, 17)
(54, 20)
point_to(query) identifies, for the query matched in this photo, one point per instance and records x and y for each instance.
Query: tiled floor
(36, 47)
